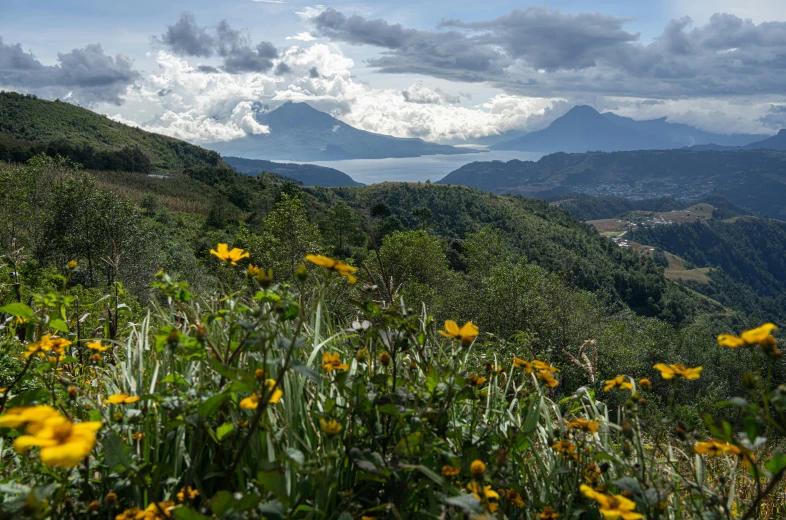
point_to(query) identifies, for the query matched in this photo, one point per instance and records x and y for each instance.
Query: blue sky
(441, 70)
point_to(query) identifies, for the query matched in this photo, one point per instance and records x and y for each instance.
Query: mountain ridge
(299, 132)
(29, 126)
(306, 174)
(584, 129)
(753, 179)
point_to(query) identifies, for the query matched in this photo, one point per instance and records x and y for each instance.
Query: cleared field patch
(691, 214)
(608, 224)
(699, 275)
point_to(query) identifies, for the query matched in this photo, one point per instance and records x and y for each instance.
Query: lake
(414, 169)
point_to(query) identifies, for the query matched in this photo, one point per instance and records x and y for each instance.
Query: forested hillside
(748, 251)
(29, 126)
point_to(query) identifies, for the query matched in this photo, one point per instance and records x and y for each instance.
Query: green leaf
(777, 463)
(304, 370)
(468, 503)
(174, 378)
(116, 453)
(533, 416)
(296, 455)
(186, 513)
(211, 405)
(224, 430)
(18, 309)
(222, 503)
(59, 325)
(274, 481)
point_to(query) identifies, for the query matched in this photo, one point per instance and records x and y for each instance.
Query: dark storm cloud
(87, 74)
(448, 54)
(539, 51)
(775, 117)
(551, 40)
(187, 38)
(236, 49)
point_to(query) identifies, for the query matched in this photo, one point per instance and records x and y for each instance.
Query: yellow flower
(252, 402)
(731, 341)
(583, 425)
(548, 514)
(330, 427)
(259, 374)
(612, 507)
(187, 494)
(618, 382)
(152, 512)
(759, 335)
(138, 436)
(450, 471)
(72, 264)
(276, 394)
(523, 363)
(466, 333)
(231, 256)
(546, 377)
(484, 494)
(122, 399)
(492, 368)
(645, 383)
(478, 467)
(531, 366)
(669, 371)
(96, 345)
(19, 416)
(253, 271)
(477, 380)
(332, 264)
(331, 362)
(62, 442)
(713, 447)
(564, 447)
(592, 474)
(513, 497)
(132, 513)
(57, 345)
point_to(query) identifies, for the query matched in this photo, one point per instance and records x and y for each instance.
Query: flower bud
(72, 392)
(627, 429)
(302, 273)
(72, 264)
(384, 358)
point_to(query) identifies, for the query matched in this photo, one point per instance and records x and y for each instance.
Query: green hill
(29, 126)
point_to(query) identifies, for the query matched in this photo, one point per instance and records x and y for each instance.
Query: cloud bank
(86, 76)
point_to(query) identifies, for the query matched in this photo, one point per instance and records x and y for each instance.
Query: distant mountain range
(299, 132)
(753, 179)
(776, 142)
(306, 174)
(585, 129)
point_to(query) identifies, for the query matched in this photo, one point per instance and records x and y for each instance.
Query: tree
(287, 237)
(340, 222)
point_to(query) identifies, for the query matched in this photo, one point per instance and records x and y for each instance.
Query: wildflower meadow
(259, 402)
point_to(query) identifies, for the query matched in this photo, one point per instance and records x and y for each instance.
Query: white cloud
(205, 106)
(757, 10)
(302, 36)
(269, 1)
(310, 12)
